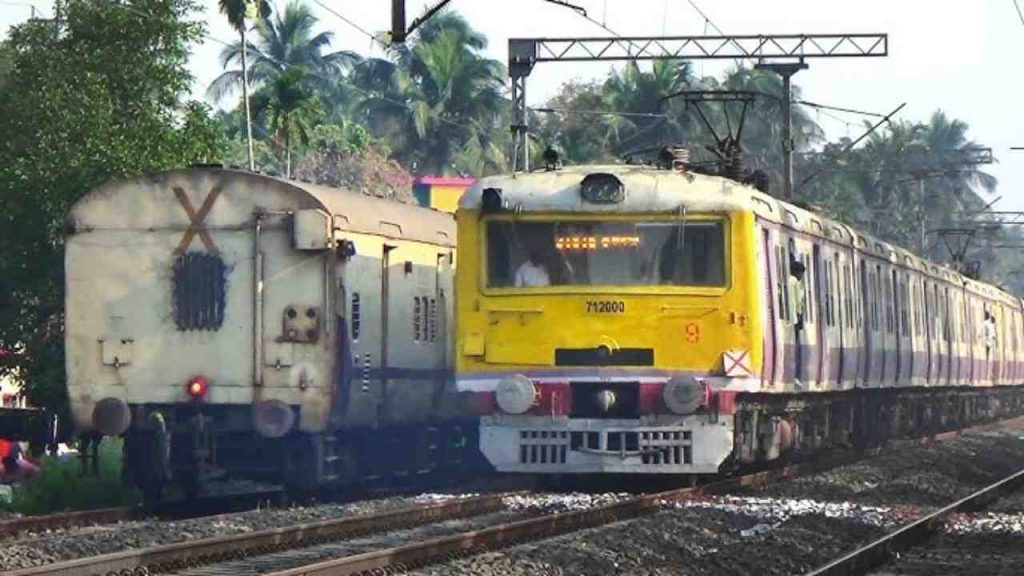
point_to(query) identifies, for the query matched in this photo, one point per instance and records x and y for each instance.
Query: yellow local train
(633, 319)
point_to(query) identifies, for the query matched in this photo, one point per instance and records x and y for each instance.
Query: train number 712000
(606, 307)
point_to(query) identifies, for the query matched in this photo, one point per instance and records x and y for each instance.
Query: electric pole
(786, 71)
(245, 98)
(399, 31)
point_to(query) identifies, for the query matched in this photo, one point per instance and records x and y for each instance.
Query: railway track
(176, 510)
(307, 544)
(423, 534)
(890, 546)
(173, 557)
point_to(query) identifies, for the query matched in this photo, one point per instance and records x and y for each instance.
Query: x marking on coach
(735, 361)
(196, 219)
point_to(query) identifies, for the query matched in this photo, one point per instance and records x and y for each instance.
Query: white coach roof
(647, 190)
(149, 202)
(651, 189)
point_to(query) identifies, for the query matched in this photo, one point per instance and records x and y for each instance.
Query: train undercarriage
(769, 426)
(748, 430)
(189, 449)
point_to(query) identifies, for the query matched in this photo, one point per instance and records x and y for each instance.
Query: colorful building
(10, 390)
(440, 192)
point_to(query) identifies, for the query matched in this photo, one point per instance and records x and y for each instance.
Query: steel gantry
(770, 51)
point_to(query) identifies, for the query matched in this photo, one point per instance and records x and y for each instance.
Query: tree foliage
(99, 96)
(103, 95)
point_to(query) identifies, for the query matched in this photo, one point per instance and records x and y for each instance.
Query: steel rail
(402, 558)
(172, 510)
(171, 557)
(66, 520)
(885, 548)
(468, 543)
(187, 554)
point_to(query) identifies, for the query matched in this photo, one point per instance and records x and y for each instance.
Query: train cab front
(601, 334)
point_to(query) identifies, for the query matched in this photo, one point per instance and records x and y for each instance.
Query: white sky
(961, 56)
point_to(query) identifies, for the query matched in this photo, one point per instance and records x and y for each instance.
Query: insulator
(680, 157)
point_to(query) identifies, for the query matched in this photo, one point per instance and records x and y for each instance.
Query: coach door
(830, 342)
(768, 304)
(850, 334)
(293, 293)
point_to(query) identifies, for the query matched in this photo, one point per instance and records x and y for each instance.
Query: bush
(61, 485)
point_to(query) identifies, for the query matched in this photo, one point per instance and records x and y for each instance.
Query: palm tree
(633, 90)
(288, 39)
(437, 99)
(237, 12)
(289, 108)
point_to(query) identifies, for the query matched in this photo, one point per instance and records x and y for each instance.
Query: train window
(606, 253)
(856, 296)
(830, 312)
(903, 304)
(810, 281)
(357, 315)
(417, 328)
(848, 296)
(432, 320)
(918, 303)
(424, 319)
(890, 306)
(781, 285)
(947, 333)
(879, 296)
(199, 290)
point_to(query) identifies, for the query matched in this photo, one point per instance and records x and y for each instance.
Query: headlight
(683, 395)
(515, 394)
(602, 189)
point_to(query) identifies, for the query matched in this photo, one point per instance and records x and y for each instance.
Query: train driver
(533, 272)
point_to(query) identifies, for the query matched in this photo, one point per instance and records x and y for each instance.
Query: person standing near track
(988, 331)
(796, 306)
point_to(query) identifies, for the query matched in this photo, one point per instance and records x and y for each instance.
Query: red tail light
(197, 387)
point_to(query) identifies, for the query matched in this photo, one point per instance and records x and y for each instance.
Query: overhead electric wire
(583, 14)
(549, 110)
(348, 21)
(838, 109)
(399, 103)
(1020, 13)
(709, 22)
(705, 17)
(138, 12)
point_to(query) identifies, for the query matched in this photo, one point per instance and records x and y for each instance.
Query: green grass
(61, 485)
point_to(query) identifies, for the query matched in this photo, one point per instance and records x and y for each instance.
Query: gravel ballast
(787, 527)
(26, 550)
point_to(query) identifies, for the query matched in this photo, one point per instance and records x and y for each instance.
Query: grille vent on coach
(543, 447)
(200, 282)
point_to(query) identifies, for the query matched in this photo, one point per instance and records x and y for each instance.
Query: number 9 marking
(693, 332)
